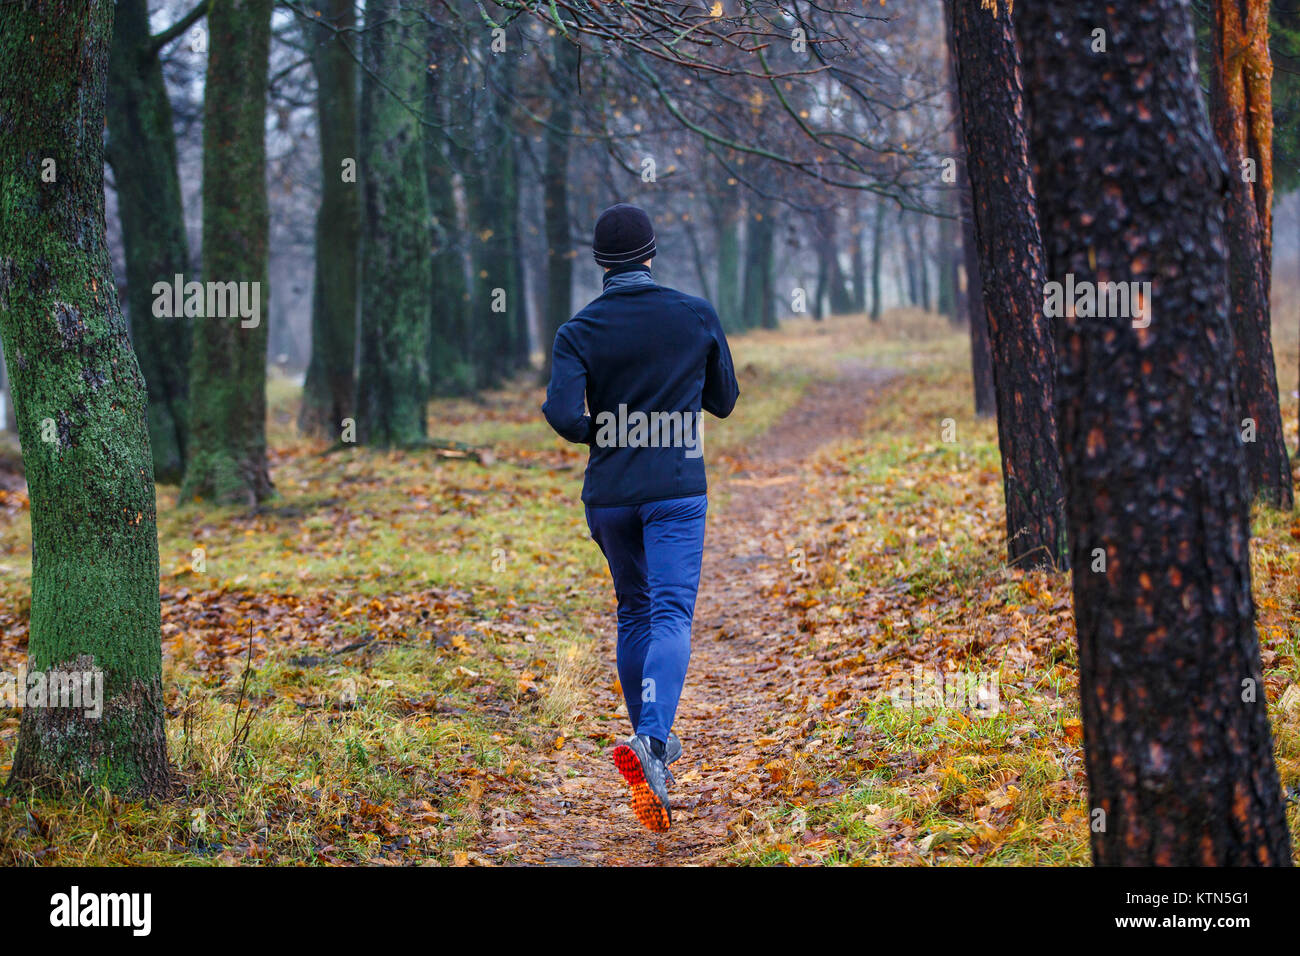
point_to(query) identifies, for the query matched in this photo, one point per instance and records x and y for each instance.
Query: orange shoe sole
(647, 807)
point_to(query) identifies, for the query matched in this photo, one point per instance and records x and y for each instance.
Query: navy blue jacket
(646, 359)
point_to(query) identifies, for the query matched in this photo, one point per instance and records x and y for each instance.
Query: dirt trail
(576, 810)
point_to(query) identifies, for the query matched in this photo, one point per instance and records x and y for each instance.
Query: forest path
(737, 709)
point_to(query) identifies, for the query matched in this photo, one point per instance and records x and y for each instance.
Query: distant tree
(725, 215)
(329, 390)
(832, 293)
(1241, 112)
(981, 351)
(451, 368)
(877, 250)
(142, 151)
(759, 294)
(559, 236)
(1130, 188)
(80, 401)
(227, 453)
(987, 65)
(396, 265)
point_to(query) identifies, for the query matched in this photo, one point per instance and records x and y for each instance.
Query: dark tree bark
(227, 453)
(330, 388)
(1241, 110)
(759, 305)
(832, 294)
(987, 67)
(451, 367)
(909, 260)
(699, 257)
(725, 212)
(559, 236)
(1130, 188)
(493, 194)
(923, 263)
(981, 352)
(80, 401)
(975, 315)
(877, 251)
(142, 151)
(396, 268)
(858, 266)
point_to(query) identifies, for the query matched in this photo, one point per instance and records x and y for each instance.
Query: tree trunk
(987, 67)
(981, 353)
(820, 291)
(227, 453)
(559, 241)
(80, 401)
(946, 269)
(909, 260)
(1130, 188)
(142, 151)
(981, 356)
(1241, 109)
(726, 225)
(759, 306)
(493, 203)
(451, 367)
(329, 391)
(858, 264)
(877, 238)
(396, 268)
(923, 262)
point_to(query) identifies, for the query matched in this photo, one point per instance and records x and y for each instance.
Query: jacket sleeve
(565, 407)
(720, 387)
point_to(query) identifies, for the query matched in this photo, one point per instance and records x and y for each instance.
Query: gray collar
(628, 280)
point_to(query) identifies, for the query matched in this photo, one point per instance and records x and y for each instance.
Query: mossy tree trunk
(396, 266)
(330, 388)
(142, 151)
(1130, 187)
(227, 453)
(1011, 264)
(451, 370)
(493, 193)
(725, 213)
(559, 239)
(80, 401)
(1241, 109)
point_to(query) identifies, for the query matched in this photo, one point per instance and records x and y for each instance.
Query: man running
(646, 359)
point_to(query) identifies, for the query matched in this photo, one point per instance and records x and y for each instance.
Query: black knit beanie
(623, 234)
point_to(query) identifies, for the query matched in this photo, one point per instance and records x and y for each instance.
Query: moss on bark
(329, 391)
(396, 268)
(227, 460)
(80, 401)
(142, 151)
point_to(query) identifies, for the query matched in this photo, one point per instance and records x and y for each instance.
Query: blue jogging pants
(654, 552)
